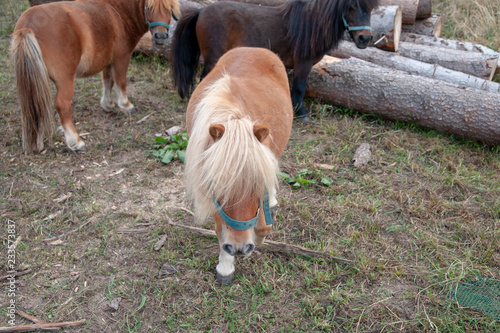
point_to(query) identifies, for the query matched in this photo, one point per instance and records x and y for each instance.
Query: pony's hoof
(83, 149)
(225, 280)
(132, 110)
(304, 119)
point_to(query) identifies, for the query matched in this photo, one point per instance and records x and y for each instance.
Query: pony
(63, 40)
(239, 120)
(300, 32)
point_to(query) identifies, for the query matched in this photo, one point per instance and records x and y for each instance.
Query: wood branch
(396, 95)
(391, 60)
(39, 325)
(424, 9)
(386, 23)
(15, 274)
(409, 9)
(431, 26)
(277, 246)
(473, 63)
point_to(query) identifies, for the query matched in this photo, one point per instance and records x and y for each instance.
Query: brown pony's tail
(185, 52)
(33, 90)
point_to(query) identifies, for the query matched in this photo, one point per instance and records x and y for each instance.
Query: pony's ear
(260, 132)
(216, 131)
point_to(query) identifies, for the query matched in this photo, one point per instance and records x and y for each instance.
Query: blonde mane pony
(163, 6)
(233, 168)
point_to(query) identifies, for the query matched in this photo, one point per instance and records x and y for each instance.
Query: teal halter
(157, 23)
(349, 29)
(244, 225)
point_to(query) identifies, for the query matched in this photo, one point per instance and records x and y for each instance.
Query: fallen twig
(160, 243)
(39, 325)
(131, 231)
(15, 274)
(69, 232)
(270, 244)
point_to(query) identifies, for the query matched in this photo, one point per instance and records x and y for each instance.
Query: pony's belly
(91, 65)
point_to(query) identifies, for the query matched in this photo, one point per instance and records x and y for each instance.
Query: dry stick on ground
(397, 95)
(15, 274)
(69, 232)
(39, 325)
(392, 60)
(270, 244)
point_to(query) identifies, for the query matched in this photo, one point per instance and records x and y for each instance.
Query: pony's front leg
(107, 85)
(65, 91)
(119, 72)
(225, 268)
(300, 73)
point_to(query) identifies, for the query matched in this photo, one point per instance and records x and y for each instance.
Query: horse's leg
(119, 73)
(65, 91)
(225, 268)
(107, 85)
(300, 72)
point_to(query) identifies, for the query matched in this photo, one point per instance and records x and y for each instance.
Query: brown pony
(63, 40)
(299, 32)
(239, 120)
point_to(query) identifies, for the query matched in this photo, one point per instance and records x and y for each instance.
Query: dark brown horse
(299, 32)
(63, 40)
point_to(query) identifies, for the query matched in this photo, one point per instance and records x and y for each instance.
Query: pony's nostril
(363, 39)
(248, 248)
(228, 248)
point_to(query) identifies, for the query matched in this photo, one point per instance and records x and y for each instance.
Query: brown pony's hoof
(132, 111)
(304, 119)
(225, 280)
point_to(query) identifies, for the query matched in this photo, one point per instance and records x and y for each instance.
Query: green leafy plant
(304, 177)
(167, 149)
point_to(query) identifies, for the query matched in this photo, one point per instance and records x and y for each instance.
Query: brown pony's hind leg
(65, 91)
(119, 72)
(107, 85)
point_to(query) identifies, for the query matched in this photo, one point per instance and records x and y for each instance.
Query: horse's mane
(316, 26)
(162, 6)
(235, 166)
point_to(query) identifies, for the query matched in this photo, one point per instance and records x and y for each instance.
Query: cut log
(386, 22)
(431, 26)
(446, 43)
(391, 60)
(473, 63)
(409, 9)
(396, 95)
(424, 9)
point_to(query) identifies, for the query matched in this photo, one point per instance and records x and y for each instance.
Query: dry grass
(471, 20)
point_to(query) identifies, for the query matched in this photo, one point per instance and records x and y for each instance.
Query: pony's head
(229, 169)
(158, 14)
(356, 20)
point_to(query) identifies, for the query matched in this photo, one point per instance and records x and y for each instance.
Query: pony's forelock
(235, 167)
(163, 6)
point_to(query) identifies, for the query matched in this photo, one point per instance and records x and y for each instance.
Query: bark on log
(431, 26)
(424, 9)
(409, 9)
(396, 95)
(473, 63)
(386, 22)
(391, 60)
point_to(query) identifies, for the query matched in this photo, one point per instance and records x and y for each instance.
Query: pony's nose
(364, 40)
(234, 251)
(160, 37)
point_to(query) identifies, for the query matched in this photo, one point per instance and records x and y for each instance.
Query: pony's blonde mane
(235, 167)
(164, 6)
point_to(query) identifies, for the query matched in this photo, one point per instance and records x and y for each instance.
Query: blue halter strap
(244, 225)
(157, 23)
(349, 29)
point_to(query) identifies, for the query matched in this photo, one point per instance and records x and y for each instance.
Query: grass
(421, 216)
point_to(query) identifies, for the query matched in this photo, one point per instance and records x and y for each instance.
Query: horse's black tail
(185, 52)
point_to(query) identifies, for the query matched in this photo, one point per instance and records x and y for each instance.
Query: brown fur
(76, 39)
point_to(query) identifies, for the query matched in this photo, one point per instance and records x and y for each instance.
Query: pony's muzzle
(363, 40)
(160, 37)
(238, 251)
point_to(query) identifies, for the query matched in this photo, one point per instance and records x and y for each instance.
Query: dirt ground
(422, 215)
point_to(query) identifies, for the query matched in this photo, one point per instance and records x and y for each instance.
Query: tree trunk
(386, 24)
(391, 60)
(473, 63)
(431, 26)
(409, 9)
(424, 9)
(395, 95)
